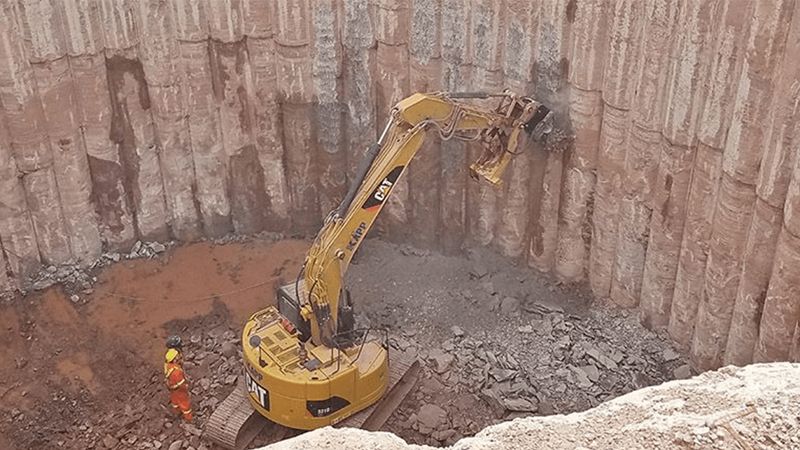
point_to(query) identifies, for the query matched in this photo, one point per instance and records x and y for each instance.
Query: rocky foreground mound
(756, 406)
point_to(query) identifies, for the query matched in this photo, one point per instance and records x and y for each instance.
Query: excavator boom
(501, 132)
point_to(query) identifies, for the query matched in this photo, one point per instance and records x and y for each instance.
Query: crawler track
(234, 424)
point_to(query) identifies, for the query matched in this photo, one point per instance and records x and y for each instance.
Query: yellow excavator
(306, 365)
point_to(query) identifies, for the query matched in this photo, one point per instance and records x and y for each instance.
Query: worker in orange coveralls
(176, 380)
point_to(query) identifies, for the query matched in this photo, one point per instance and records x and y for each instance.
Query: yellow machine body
(287, 393)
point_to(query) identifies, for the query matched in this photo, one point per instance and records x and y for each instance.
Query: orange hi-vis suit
(178, 388)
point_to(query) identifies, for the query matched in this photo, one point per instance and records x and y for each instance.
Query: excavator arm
(501, 132)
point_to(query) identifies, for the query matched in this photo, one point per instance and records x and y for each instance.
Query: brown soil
(71, 374)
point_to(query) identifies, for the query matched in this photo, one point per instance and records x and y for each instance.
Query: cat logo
(256, 391)
(381, 191)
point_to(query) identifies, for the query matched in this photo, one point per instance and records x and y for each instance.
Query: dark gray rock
(430, 418)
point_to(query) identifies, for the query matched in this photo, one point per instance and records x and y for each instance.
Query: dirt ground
(497, 341)
(73, 374)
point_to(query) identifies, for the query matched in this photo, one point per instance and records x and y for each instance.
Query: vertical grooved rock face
(611, 159)
(230, 77)
(418, 192)
(50, 70)
(586, 114)
(740, 162)
(81, 26)
(658, 40)
(673, 186)
(754, 93)
(295, 89)
(119, 25)
(542, 247)
(626, 281)
(257, 18)
(554, 38)
(210, 163)
(358, 40)
(41, 193)
(133, 132)
(732, 215)
(591, 22)
(159, 53)
(688, 71)
(520, 39)
(633, 215)
(685, 74)
(669, 200)
(225, 20)
(393, 77)
(328, 111)
(759, 253)
(19, 243)
(268, 133)
(70, 161)
(29, 141)
(300, 167)
(484, 29)
(694, 247)
(176, 161)
(482, 204)
(791, 209)
(781, 305)
(624, 45)
(728, 53)
(7, 284)
(514, 218)
(641, 169)
(780, 156)
(190, 19)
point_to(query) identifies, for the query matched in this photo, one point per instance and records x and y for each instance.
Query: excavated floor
(81, 369)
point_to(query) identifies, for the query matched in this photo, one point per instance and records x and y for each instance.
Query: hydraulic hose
(361, 173)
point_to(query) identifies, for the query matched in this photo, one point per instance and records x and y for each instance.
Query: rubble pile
(78, 279)
(233, 238)
(555, 363)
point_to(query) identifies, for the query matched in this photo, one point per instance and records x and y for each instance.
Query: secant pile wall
(679, 194)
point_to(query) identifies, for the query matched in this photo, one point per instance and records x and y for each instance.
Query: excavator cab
(289, 306)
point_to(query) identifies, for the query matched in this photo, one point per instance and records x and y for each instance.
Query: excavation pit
(497, 341)
(675, 194)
